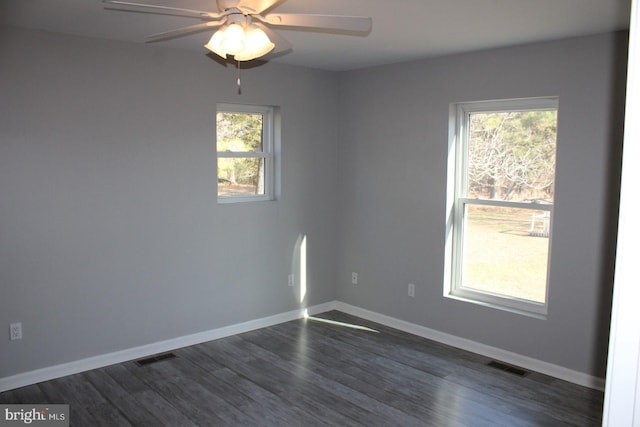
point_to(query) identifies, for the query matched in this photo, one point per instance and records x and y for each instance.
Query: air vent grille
(508, 368)
(154, 359)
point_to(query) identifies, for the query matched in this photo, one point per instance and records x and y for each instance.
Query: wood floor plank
(190, 394)
(109, 416)
(444, 397)
(120, 374)
(265, 407)
(379, 408)
(311, 372)
(119, 398)
(29, 394)
(163, 409)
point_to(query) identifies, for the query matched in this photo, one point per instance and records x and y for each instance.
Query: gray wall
(110, 233)
(111, 237)
(393, 158)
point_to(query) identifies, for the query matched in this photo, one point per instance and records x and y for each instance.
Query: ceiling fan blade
(167, 10)
(281, 43)
(359, 24)
(257, 6)
(182, 31)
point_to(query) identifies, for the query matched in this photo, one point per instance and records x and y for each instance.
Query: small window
(244, 140)
(500, 203)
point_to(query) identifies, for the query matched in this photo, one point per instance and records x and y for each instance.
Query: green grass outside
(501, 257)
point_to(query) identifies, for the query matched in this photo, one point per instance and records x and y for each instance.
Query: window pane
(239, 132)
(511, 155)
(506, 251)
(240, 176)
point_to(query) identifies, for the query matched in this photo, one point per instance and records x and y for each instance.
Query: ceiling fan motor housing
(227, 4)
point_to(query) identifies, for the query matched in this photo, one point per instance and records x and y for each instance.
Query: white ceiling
(403, 30)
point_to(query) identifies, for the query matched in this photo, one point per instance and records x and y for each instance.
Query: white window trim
(456, 167)
(268, 143)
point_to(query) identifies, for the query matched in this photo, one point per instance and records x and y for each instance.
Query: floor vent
(508, 368)
(154, 359)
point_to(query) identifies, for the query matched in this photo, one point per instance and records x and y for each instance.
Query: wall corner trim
(74, 367)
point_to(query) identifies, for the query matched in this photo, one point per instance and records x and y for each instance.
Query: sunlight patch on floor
(337, 323)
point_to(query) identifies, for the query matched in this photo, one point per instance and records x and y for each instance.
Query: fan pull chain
(238, 81)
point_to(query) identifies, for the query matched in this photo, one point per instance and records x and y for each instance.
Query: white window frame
(456, 172)
(267, 153)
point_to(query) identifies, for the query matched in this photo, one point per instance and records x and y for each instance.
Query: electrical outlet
(15, 331)
(411, 290)
(290, 280)
(354, 278)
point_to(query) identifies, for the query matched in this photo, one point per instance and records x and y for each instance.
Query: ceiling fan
(242, 26)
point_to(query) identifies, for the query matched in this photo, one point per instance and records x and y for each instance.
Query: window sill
(240, 199)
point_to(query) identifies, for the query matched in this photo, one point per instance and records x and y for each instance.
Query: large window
(500, 202)
(244, 140)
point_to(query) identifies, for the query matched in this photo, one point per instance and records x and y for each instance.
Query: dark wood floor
(308, 373)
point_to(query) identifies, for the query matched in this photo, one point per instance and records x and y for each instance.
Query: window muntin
(502, 203)
(244, 141)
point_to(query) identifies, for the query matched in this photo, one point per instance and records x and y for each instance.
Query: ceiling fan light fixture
(228, 40)
(233, 41)
(257, 44)
(215, 44)
(244, 43)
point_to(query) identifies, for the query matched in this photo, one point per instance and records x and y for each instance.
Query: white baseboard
(77, 366)
(57, 371)
(529, 363)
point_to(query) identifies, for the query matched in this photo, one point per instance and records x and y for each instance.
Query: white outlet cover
(15, 331)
